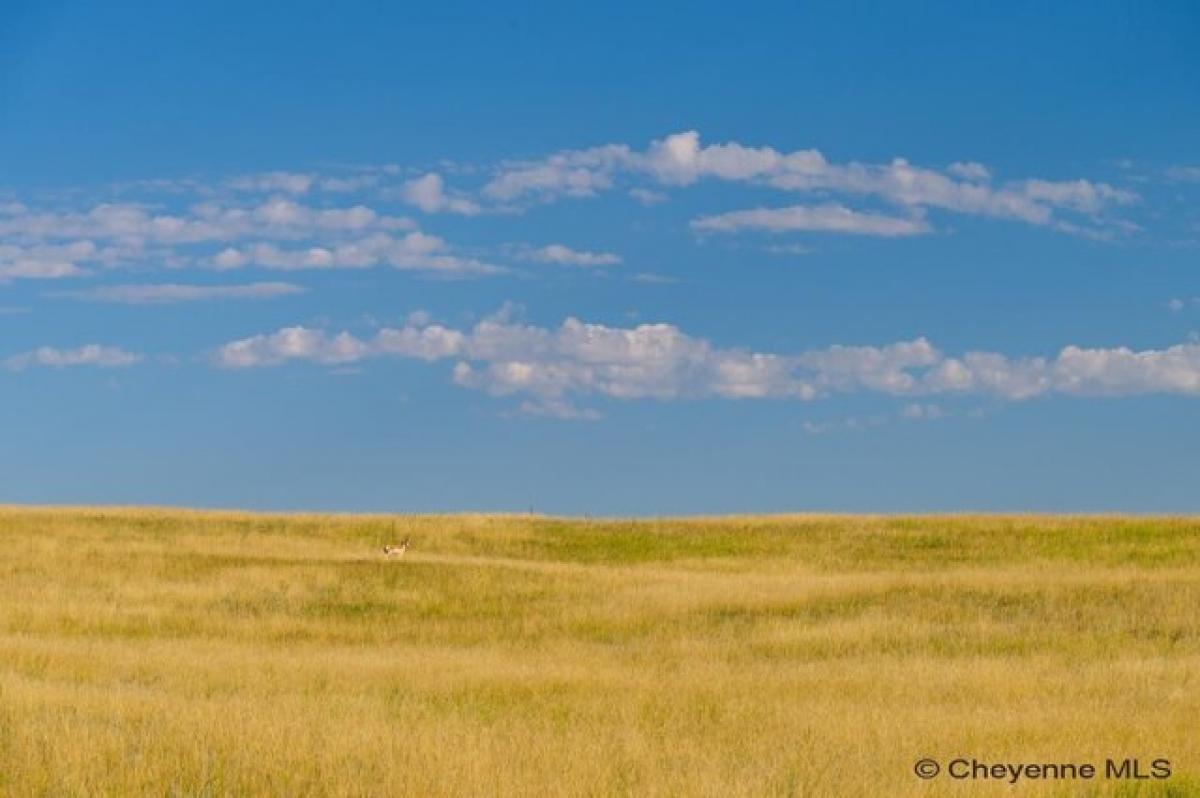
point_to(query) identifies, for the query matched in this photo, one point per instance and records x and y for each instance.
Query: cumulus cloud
(918, 411)
(573, 173)
(429, 194)
(828, 218)
(553, 367)
(45, 262)
(647, 196)
(275, 233)
(413, 252)
(789, 249)
(284, 219)
(352, 183)
(849, 423)
(88, 355)
(346, 180)
(423, 342)
(558, 253)
(557, 408)
(288, 220)
(503, 357)
(969, 170)
(291, 343)
(267, 182)
(681, 159)
(1184, 173)
(135, 225)
(653, 278)
(168, 293)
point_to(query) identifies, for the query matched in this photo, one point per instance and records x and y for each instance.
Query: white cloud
(291, 343)
(1078, 195)
(918, 411)
(275, 218)
(166, 293)
(346, 185)
(429, 342)
(573, 173)
(894, 368)
(680, 159)
(789, 249)
(653, 278)
(89, 355)
(230, 258)
(648, 361)
(551, 367)
(647, 197)
(656, 360)
(969, 170)
(1117, 371)
(280, 213)
(1177, 304)
(557, 408)
(558, 253)
(429, 194)
(266, 182)
(852, 423)
(1184, 173)
(285, 220)
(828, 218)
(420, 339)
(45, 261)
(260, 219)
(275, 233)
(413, 252)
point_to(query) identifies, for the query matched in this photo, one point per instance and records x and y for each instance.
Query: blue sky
(601, 259)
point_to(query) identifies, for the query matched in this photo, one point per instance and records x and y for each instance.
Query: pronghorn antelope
(390, 551)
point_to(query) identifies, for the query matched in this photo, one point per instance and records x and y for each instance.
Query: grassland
(179, 653)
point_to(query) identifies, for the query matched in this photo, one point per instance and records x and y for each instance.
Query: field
(187, 653)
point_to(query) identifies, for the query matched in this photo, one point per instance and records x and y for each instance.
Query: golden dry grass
(183, 653)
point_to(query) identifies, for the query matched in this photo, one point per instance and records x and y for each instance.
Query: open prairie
(202, 653)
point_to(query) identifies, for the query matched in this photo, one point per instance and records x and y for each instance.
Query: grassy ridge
(169, 652)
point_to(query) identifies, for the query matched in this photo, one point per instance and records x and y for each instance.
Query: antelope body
(396, 551)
